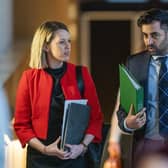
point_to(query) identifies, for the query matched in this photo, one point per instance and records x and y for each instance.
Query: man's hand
(136, 121)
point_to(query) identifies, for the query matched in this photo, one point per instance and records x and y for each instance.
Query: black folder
(75, 124)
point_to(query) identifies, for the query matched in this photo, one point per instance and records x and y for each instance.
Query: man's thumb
(131, 110)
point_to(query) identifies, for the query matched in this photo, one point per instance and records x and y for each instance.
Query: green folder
(131, 92)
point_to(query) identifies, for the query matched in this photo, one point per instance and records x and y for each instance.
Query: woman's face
(58, 50)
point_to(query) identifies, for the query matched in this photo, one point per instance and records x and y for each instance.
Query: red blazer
(33, 102)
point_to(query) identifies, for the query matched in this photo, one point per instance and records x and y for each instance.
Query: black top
(56, 105)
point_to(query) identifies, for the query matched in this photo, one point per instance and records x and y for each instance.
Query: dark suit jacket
(138, 66)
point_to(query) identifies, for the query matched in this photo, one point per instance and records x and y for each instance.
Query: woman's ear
(45, 47)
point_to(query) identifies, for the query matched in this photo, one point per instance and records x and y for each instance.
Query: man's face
(155, 38)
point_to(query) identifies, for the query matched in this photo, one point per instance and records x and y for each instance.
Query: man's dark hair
(152, 15)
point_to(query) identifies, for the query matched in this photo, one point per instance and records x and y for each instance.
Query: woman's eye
(62, 42)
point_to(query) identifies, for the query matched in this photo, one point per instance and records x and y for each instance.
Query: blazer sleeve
(22, 116)
(121, 115)
(96, 116)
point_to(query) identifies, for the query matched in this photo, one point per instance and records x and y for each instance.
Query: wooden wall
(27, 16)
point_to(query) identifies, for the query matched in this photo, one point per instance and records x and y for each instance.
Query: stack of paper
(75, 122)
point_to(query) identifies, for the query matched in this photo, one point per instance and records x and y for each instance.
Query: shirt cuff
(128, 129)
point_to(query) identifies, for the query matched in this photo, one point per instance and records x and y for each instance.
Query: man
(150, 125)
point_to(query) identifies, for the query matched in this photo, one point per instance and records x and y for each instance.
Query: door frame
(87, 17)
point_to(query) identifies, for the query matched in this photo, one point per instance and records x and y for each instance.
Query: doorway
(107, 38)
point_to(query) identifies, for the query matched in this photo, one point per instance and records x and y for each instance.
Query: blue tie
(163, 98)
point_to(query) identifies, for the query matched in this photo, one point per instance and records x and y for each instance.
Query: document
(131, 92)
(75, 122)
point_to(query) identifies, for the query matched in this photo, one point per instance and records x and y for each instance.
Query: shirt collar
(156, 57)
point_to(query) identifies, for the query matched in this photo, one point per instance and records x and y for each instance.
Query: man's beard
(161, 50)
(153, 50)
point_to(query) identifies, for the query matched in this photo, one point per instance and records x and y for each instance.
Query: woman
(40, 100)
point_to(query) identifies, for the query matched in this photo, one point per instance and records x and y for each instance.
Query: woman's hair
(152, 15)
(43, 35)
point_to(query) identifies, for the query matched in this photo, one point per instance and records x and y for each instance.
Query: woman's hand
(53, 150)
(75, 150)
(136, 121)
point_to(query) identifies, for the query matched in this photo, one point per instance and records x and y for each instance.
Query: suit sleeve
(22, 116)
(96, 116)
(121, 115)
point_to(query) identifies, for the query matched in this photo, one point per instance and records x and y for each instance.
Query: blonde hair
(43, 35)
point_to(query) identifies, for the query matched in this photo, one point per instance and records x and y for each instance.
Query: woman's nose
(68, 45)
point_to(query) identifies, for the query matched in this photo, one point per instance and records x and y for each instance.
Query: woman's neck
(55, 65)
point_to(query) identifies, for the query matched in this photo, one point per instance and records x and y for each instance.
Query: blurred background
(104, 33)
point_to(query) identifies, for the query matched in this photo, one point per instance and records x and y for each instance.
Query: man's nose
(150, 41)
